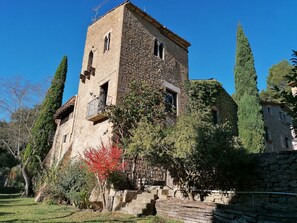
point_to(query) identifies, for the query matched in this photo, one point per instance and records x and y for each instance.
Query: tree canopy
(198, 154)
(277, 77)
(289, 97)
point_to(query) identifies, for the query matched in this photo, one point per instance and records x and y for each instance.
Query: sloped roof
(165, 31)
(66, 107)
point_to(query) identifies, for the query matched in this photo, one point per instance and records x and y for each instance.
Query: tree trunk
(28, 182)
(190, 195)
(189, 192)
(134, 171)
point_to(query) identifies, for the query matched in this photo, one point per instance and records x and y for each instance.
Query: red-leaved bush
(104, 160)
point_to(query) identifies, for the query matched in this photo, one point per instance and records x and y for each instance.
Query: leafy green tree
(198, 154)
(288, 97)
(277, 77)
(142, 101)
(44, 127)
(250, 120)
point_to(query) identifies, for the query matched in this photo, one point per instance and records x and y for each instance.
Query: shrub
(71, 184)
(104, 162)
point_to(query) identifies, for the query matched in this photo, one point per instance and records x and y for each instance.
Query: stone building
(124, 45)
(278, 123)
(210, 93)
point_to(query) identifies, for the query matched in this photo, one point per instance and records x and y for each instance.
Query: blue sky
(35, 35)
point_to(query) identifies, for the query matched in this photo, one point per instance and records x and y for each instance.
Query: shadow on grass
(99, 220)
(5, 213)
(60, 217)
(9, 196)
(14, 205)
(13, 220)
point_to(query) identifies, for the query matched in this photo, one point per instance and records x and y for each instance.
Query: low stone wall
(273, 172)
(270, 185)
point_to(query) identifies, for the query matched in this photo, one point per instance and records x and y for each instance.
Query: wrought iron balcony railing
(96, 108)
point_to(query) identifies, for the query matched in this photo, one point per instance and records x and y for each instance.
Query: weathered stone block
(117, 203)
(129, 195)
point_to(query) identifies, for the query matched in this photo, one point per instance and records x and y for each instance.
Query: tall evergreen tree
(44, 127)
(250, 119)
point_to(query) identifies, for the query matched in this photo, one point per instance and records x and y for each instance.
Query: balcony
(96, 108)
(87, 73)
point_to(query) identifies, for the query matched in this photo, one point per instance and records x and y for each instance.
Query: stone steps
(144, 204)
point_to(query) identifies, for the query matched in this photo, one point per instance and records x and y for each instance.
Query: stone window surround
(175, 89)
(216, 110)
(65, 138)
(157, 44)
(107, 40)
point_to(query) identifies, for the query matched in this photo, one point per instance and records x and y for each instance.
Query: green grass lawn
(16, 209)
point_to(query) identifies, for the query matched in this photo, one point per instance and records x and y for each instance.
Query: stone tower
(123, 45)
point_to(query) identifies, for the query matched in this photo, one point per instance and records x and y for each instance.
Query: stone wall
(273, 172)
(268, 195)
(138, 62)
(271, 184)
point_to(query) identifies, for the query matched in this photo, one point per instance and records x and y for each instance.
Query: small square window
(65, 138)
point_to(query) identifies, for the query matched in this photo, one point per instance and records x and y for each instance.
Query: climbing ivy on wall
(207, 94)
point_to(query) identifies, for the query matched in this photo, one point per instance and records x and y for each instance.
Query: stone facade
(123, 45)
(138, 61)
(210, 93)
(278, 123)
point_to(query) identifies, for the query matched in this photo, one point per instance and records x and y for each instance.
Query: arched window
(90, 61)
(106, 42)
(159, 49)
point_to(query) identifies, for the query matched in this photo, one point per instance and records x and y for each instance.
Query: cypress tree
(44, 127)
(250, 119)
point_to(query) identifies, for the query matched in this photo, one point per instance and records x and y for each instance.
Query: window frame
(107, 41)
(159, 49)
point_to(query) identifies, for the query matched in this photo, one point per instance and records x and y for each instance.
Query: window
(287, 143)
(65, 138)
(90, 61)
(268, 110)
(107, 42)
(280, 115)
(102, 96)
(215, 116)
(159, 49)
(268, 137)
(171, 101)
